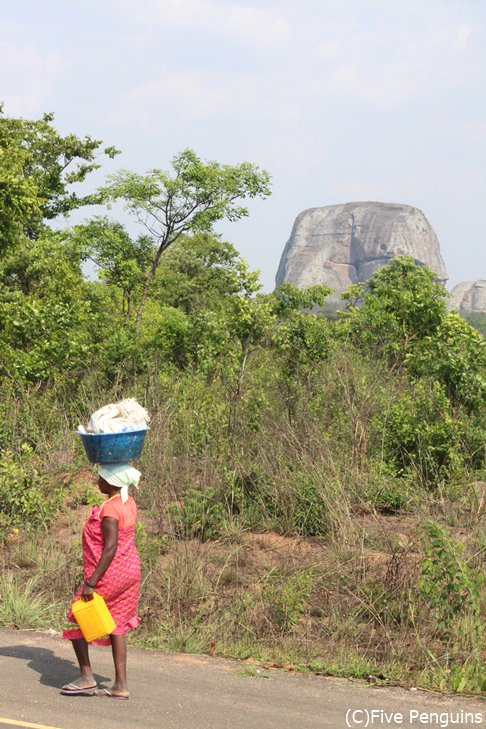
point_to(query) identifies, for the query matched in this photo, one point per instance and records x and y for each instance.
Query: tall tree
(403, 304)
(42, 169)
(46, 310)
(19, 199)
(201, 271)
(122, 260)
(189, 200)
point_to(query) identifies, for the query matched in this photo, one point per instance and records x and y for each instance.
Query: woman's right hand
(87, 592)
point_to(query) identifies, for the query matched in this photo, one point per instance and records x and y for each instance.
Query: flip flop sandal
(72, 689)
(107, 692)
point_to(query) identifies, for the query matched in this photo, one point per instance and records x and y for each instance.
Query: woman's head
(119, 476)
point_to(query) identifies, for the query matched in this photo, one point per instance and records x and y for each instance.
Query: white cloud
(352, 100)
(193, 96)
(27, 75)
(392, 65)
(236, 21)
(475, 131)
(462, 35)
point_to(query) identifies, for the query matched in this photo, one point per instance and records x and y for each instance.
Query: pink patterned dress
(120, 585)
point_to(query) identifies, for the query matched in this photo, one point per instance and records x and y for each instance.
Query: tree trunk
(146, 285)
(236, 393)
(166, 241)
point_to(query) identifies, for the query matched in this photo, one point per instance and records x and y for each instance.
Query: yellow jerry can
(93, 617)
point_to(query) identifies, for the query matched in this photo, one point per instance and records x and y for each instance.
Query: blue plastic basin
(113, 447)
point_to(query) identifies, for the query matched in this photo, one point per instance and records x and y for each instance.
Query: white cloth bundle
(118, 417)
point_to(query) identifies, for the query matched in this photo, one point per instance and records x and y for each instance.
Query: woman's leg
(86, 679)
(119, 648)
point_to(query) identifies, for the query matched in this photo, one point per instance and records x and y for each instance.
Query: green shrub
(451, 588)
(422, 438)
(286, 597)
(310, 514)
(456, 357)
(478, 321)
(27, 498)
(200, 515)
(453, 591)
(290, 501)
(21, 605)
(387, 493)
(149, 546)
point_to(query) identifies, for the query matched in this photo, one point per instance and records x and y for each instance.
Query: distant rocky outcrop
(469, 297)
(339, 245)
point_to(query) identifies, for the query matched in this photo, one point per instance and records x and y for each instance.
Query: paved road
(186, 692)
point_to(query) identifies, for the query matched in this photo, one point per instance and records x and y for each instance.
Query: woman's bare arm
(109, 526)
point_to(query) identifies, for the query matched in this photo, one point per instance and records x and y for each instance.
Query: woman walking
(112, 567)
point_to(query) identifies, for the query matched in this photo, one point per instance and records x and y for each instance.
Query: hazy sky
(341, 100)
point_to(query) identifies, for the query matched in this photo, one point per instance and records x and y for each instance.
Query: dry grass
(341, 607)
(344, 601)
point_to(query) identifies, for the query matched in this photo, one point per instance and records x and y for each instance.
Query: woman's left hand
(87, 592)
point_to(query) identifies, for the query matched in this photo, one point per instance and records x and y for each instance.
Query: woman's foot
(115, 692)
(82, 685)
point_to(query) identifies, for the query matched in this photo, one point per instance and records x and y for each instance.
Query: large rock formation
(342, 244)
(469, 297)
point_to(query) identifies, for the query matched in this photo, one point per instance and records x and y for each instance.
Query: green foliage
(41, 339)
(286, 597)
(198, 413)
(195, 196)
(27, 498)
(50, 264)
(302, 339)
(190, 199)
(149, 546)
(298, 506)
(386, 492)
(478, 321)
(19, 200)
(403, 305)
(200, 313)
(51, 164)
(289, 298)
(422, 437)
(200, 515)
(84, 494)
(310, 513)
(453, 591)
(123, 263)
(166, 336)
(266, 415)
(465, 678)
(208, 339)
(33, 416)
(22, 605)
(450, 587)
(46, 310)
(292, 502)
(456, 357)
(199, 272)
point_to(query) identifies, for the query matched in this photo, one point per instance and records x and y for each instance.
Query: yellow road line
(27, 724)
